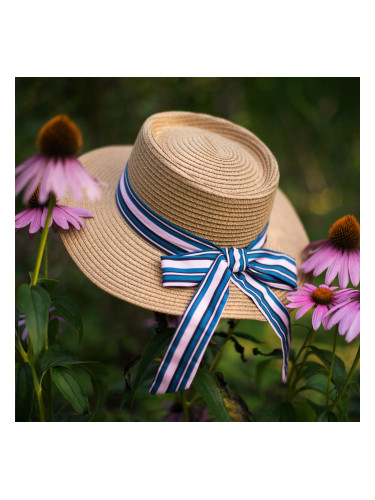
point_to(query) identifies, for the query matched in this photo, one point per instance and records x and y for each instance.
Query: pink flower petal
(24, 218)
(345, 323)
(34, 182)
(73, 179)
(35, 224)
(76, 211)
(354, 267)
(317, 315)
(46, 185)
(303, 310)
(354, 329)
(26, 164)
(334, 267)
(294, 305)
(60, 218)
(344, 270)
(59, 179)
(25, 176)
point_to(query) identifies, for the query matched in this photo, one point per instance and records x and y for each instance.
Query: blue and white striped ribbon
(195, 261)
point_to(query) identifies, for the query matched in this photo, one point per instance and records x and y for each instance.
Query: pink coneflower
(339, 254)
(56, 166)
(347, 316)
(62, 216)
(22, 322)
(322, 298)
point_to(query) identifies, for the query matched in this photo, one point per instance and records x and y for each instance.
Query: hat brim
(120, 262)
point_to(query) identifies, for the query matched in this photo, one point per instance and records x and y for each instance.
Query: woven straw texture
(205, 174)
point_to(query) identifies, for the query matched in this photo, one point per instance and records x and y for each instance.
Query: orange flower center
(60, 137)
(322, 295)
(344, 233)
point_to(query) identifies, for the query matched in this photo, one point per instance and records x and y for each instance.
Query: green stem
(348, 378)
(296, 370)
(46, 260)
(37, 386)
(43, 240)
(331, 366)
(184, 406)
(232, 327)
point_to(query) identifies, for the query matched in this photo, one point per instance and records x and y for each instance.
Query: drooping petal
(338, 313)
(77, 212)
(345, 323)
(354, 329)
(29, 191)
(24, 218)
(334, 267)
(303, 310)
(46, 184)
(59, 218)
(73, 180)
(90, 184)
(294, 305)
(344, 270)
(319, 312)
(59, 179)
(35, 224)
(26, 164)
(24, 177)
(354, 266)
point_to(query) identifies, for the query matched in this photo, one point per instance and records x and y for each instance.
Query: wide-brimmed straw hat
(204, 174)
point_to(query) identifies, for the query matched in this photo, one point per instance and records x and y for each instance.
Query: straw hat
(207, 175)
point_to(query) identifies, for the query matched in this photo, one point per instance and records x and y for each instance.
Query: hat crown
(205, 174)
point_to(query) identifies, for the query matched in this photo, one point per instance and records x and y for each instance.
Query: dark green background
(310, 124)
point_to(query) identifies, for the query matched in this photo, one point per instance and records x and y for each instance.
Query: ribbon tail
(272, 309)
(184, 354)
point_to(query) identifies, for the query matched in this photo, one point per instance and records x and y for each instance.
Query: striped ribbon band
(195, 261)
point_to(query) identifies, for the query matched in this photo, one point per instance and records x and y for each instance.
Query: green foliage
(280, 412)
(66, 308)
(35, 303)
(207, 386)
(49, 284)
(24, 392)
(71, 387)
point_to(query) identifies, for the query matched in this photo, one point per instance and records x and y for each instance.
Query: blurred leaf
(317, 382)
(71, 387)
(66, 308)
(17, 318)
(235, 405)
(155, 346)
(260, 370)
(24, 392)
(280, 412)
(35, 303)
(206, 384)
(49, 284)
(247, 336)
(276, 353)
(327, 416)
(304, 412)
(339, 371)
(239, 348)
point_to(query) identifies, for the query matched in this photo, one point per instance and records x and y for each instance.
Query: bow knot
(236, 259)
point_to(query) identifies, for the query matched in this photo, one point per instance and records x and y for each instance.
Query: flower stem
(232, 326)
(348, 378)
(331, 366)
(46, 260)
(43, 240)
(37, 385)
(297, 369)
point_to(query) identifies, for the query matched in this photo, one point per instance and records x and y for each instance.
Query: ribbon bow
(195, 261)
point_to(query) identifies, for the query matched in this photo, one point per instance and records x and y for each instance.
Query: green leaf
(24, 392)
(339, 371)
(207, 386)
(304, 411)
(17, 318)
(280, 412)
(66, 308)
(71, 387)
(56, 356)
(35, 303)
(155, 346)
(327, 416)
(49, 284)
(310, 368)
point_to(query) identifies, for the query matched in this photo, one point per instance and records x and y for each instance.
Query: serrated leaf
(155, 346)
(71, 387)
(207, 386)
(24, 392)
(35, 303)
(66, 308)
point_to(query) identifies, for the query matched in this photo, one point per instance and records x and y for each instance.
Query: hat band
(195, 261)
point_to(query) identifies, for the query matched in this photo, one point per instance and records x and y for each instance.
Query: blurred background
(310, 124)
